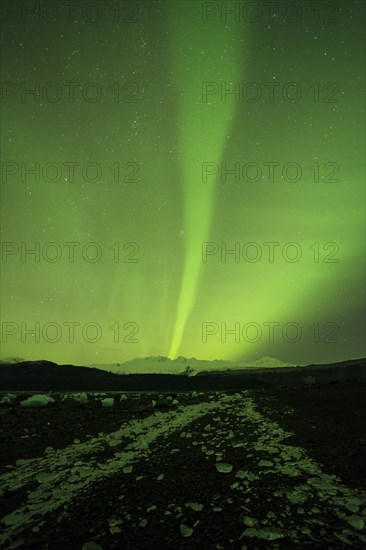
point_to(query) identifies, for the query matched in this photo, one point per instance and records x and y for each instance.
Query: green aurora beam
(203, 132)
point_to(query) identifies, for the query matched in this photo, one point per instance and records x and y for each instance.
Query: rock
(224, 468)
(107, 402)
(185, 530)
(196, 506)
(46, 477)
(236, 443)
(356, 522)
(265, 463)
(92, 546)
(81, 398)
(8, 399)
(261, 534)
(249, 522)
(37, 401)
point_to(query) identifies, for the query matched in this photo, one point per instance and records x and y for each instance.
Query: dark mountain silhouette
(310, 374)
(48, 376)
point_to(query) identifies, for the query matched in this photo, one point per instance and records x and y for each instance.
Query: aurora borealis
(181, 173)
(200, 63)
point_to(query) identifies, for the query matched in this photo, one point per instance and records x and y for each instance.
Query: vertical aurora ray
(201, 53)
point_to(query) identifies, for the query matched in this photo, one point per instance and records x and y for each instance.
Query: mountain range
(217, 375)
(183, 365)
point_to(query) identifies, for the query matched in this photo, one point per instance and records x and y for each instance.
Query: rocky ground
(274, 468)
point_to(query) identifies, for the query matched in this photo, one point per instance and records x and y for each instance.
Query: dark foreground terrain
(260, 468)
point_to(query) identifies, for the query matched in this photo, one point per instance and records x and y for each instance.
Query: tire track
(57, 487)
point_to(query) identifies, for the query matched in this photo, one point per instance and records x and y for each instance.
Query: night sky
(171, 143)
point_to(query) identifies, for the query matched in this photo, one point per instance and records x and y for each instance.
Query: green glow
(169, 132)
(203, 132)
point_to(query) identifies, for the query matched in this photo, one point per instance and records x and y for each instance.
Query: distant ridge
(184, 365)
(268, 362)
(12, 360)
(48, 376)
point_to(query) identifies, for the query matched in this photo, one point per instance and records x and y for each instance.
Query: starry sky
(190, 182)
